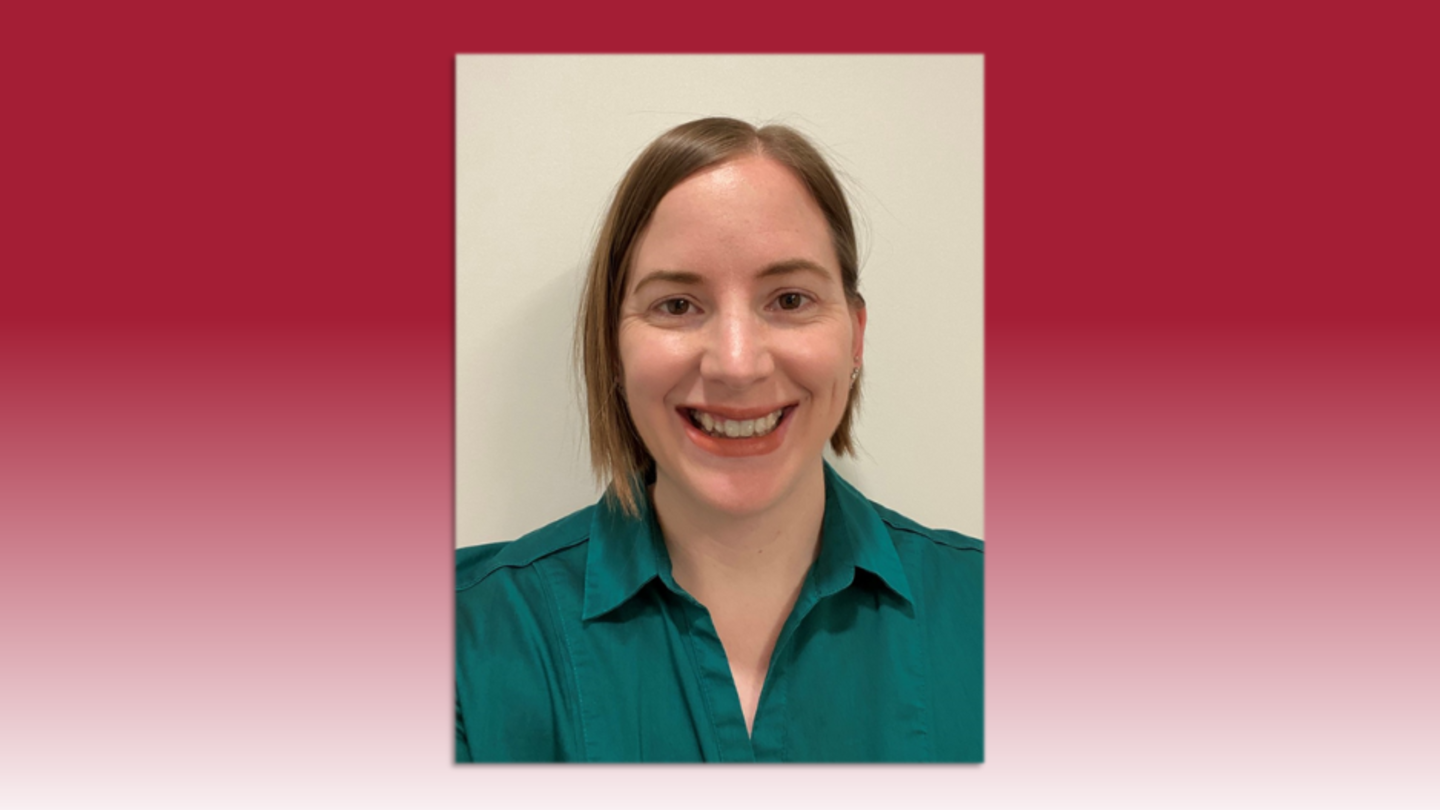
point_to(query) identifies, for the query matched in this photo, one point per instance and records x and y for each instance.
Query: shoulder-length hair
(616, 451)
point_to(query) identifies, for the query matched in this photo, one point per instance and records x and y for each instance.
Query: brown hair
(616, 451)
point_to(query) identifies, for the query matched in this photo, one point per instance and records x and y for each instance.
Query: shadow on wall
(534, 419)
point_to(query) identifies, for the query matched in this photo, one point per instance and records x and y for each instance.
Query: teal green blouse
(574, 644)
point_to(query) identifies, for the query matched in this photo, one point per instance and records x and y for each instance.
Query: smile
(722, 428)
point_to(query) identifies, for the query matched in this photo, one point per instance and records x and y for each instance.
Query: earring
(854, 375)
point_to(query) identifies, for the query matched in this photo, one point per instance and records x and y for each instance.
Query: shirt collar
(626, 553)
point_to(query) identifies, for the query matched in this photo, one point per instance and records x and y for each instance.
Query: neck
(763, 555)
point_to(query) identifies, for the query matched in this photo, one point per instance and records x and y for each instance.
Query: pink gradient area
(226, 290)
(1212, 563)
(228, 567)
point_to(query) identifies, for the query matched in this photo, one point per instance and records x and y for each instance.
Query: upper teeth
(737, 429)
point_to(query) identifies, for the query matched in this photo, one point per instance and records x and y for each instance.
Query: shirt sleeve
(512, 673)
(462, 743)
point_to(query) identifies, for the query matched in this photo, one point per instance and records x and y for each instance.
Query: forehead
(741, 216)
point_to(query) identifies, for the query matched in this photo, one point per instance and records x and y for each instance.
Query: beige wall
(541, 142)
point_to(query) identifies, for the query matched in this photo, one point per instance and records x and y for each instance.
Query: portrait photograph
(719, 408)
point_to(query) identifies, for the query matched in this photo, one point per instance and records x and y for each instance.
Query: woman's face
(736, 338)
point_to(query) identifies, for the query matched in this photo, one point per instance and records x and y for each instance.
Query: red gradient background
(226, 320)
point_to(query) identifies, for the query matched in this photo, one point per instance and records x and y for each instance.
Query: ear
(857, 316)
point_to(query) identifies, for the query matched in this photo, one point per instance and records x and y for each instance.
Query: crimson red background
(226, 315)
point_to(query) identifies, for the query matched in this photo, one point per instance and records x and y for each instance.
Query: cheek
(651, 367)
(823, 366)
(831, 354)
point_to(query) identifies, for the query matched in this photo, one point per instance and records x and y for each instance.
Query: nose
(737, 351)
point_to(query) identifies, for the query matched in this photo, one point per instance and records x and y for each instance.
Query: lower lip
(736, 448)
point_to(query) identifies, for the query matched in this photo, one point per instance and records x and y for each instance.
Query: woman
(730, 599)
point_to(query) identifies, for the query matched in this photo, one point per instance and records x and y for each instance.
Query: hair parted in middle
(616, 451)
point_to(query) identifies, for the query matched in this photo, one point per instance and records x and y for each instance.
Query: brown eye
(675, 306)
(791, 301)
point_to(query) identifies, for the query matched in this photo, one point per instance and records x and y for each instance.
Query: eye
(675, 306)
(791, 300)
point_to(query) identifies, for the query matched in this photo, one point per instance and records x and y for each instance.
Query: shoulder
(515, 605)
(947, 567)
(475, 564)
(946, 574)
(903, 529)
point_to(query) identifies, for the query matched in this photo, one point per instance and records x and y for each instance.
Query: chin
(740, 492)
(739, 499)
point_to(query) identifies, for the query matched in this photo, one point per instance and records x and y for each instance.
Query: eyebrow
(780, 268)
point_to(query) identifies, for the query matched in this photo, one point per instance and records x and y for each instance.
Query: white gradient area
(1217, 593)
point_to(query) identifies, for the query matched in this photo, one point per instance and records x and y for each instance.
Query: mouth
(721, 427)
(737, 433)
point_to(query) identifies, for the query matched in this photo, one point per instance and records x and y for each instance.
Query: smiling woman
(731, 598)
(757, 324)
